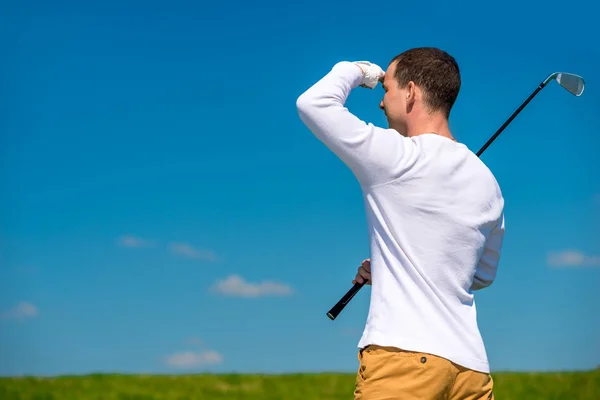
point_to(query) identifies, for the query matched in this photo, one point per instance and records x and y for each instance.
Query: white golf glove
(372, 73)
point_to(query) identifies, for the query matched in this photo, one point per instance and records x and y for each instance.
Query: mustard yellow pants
(388, 373)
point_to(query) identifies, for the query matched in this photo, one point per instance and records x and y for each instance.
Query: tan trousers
(388, 373)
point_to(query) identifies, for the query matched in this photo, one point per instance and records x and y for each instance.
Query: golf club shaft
(509, 120)
(343, 302)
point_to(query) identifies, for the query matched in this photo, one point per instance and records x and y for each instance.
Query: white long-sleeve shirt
(435, 216)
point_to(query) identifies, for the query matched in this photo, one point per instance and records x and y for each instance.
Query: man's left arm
(375, 155)
(487, 268)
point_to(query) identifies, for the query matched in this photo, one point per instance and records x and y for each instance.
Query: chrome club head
(572, 82)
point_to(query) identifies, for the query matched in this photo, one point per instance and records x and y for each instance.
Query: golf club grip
(339, 306)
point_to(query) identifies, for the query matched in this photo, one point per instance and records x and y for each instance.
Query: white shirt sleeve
(375, 155)
(487, 267)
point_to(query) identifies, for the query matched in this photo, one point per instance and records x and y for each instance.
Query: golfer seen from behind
(435, 217)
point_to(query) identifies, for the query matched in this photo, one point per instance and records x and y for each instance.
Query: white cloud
(181, 249)
(188, 359)
(134, 241)
(235, 285)
(22, 310)
(572, 258)
(186, 250)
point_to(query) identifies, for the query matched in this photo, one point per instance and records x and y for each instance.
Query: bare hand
(364, 273)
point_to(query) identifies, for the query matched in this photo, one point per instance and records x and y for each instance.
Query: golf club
(571, 82)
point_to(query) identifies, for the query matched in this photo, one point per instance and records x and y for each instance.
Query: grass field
(509, 386)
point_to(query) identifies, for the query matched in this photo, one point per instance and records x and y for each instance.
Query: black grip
(339, 306)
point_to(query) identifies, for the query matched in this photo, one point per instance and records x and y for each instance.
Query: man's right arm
(487, 268)
(375, 155)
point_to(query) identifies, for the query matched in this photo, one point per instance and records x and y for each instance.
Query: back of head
(433, 70)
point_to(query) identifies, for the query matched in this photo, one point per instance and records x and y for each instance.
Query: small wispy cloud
(178, 248)
(21, 311)
(189, 359)
(572, 258)
(186, 250)
(236, 286)
(134, 241)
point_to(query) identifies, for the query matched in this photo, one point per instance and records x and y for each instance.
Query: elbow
(479, 284)
(304, 103)
(306, 107)
(484, 276)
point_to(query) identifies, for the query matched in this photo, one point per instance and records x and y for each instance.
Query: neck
(436, 124)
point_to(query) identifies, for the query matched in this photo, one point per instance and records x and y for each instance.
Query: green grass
(509, 386)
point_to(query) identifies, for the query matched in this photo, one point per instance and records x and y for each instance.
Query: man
(435, 218)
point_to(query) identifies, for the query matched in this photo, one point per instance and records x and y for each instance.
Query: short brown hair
(434, 71)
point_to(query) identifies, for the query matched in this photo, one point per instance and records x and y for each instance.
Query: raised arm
(488, 263)
(375, 155)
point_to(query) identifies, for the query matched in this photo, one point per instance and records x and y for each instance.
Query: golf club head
(572, 82)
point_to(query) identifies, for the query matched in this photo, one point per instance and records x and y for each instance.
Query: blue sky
(164, 209)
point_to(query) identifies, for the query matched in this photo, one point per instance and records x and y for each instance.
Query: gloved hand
(372, 73)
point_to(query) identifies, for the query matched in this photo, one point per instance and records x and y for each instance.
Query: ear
(411, 92)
